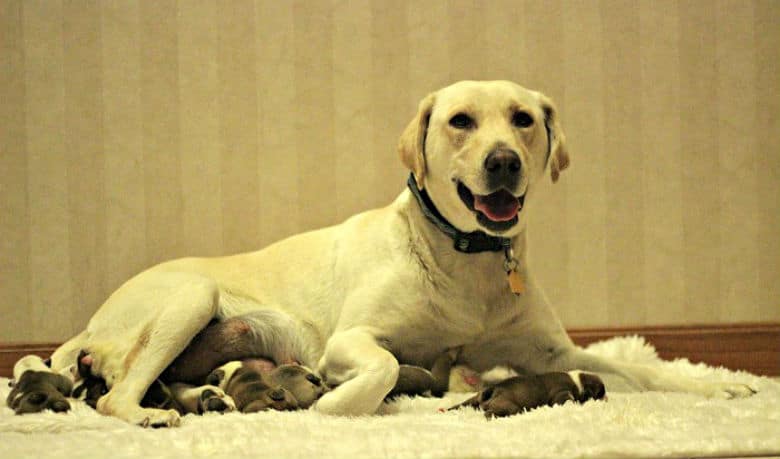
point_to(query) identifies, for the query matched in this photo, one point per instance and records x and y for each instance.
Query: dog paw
(730, 390)
(214, 399)
(154, 418)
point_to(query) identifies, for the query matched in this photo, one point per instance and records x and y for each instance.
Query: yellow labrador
(442, 267)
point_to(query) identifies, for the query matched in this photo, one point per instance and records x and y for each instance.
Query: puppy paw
(214, 399)
(154, 418)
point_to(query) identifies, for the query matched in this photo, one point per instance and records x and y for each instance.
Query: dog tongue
(499, 206)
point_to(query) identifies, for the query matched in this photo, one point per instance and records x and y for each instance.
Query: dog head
(479, 149)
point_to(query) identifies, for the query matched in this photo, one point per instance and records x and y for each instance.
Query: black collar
(475, 242)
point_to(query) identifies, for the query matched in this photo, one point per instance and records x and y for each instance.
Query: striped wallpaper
(136, 131)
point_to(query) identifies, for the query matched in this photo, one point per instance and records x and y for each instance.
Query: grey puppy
(36, 391)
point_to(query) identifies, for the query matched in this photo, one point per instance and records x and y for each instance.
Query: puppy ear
(411, 146)
(559, 154)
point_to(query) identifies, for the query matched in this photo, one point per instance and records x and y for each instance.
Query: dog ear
(411, 146)
(559, 154)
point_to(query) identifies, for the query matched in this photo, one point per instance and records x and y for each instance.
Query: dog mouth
(497, 211)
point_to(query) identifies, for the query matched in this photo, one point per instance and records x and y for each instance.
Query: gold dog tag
(516, 283)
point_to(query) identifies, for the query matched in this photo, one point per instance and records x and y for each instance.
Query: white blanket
(626, 425)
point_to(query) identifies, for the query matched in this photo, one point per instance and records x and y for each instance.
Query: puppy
(522, 393)
(284, 388)
(186, 398)
(415, 380)
(36, 388)
(224, 339)
(183, 398)
(254, 383)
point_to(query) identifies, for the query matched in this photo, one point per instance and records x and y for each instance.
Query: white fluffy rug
(627, 425)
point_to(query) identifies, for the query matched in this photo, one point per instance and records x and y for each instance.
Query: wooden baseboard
(750, 347)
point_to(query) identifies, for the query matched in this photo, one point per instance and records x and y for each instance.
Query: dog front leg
(363, 372)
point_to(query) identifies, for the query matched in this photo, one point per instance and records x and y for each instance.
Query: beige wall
(133, 132)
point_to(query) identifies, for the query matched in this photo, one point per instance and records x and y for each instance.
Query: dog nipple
(86, 360)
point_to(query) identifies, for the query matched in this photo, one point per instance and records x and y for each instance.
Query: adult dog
(404, 283)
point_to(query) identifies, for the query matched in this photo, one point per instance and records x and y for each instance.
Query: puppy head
(480, 149)
(273, 398)
(300, 382)
(36, 391)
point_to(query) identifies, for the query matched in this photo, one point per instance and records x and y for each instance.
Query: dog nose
(503, 166)
(503, 160)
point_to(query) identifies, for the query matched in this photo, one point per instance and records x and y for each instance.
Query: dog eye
(313, 379)
(461, 121)
(522, 119)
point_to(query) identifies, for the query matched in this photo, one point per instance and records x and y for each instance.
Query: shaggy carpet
(627, 425)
